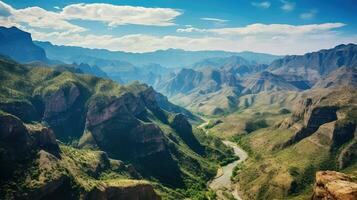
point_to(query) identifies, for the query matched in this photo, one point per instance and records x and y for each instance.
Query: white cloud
(190, 30)
(269, 29)
(214, 19)
(115, 15)
(278, 29)
(36, 17)
(263, 4)
(302, 42)
(287, 5)
(57, 27)
(308, 15)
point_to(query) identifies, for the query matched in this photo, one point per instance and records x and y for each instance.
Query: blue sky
(270, 26)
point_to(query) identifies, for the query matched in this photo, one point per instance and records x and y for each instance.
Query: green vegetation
(251, 126)
(192, 155)
(212, 123)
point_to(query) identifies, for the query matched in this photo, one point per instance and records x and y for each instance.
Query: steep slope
(18, 45)
(35, 166)
(124, 121)
(203, 90)
(320, 134)
(315, 65)
(266, 82)
(215, 91)
(343, 76)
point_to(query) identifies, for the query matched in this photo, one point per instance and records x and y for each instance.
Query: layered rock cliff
(331, 185)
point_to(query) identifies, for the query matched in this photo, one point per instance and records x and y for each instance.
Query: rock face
(18, 45)
(63, 110)
(184, 128)
(266, 82)
(120, 126)
(331, 185)
(343, 76)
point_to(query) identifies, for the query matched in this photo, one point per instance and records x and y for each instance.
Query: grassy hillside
(282, 165)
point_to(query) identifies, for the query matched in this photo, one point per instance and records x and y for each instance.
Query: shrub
(251, 126)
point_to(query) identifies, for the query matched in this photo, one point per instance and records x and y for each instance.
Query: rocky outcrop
(134, 192)
(312, 120)
(115, 127)
(44, 138)
(331, 185)
(121, 127)
(184, 128)
(64, 110)
(22, 109)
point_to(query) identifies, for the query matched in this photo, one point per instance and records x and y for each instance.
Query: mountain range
(100, 121)
(170, 58)
(218, 85)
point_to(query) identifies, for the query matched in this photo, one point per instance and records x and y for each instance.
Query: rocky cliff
(331, 185)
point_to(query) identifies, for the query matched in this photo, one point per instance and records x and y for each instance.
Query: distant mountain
(318, 64)
(171, 58)
(214, 91)
(93, 70)
(203, 81)
(232, 61)
(343, 76)
(19, 46)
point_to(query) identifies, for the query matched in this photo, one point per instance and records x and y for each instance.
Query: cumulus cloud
(263, 4)
(115, 15)
(36, 17)
(287, 5)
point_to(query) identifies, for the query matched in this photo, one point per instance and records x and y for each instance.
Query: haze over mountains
(79, 123)
(171, 58)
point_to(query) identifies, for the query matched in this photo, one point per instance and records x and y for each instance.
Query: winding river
(224, 180)
(223, 177)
